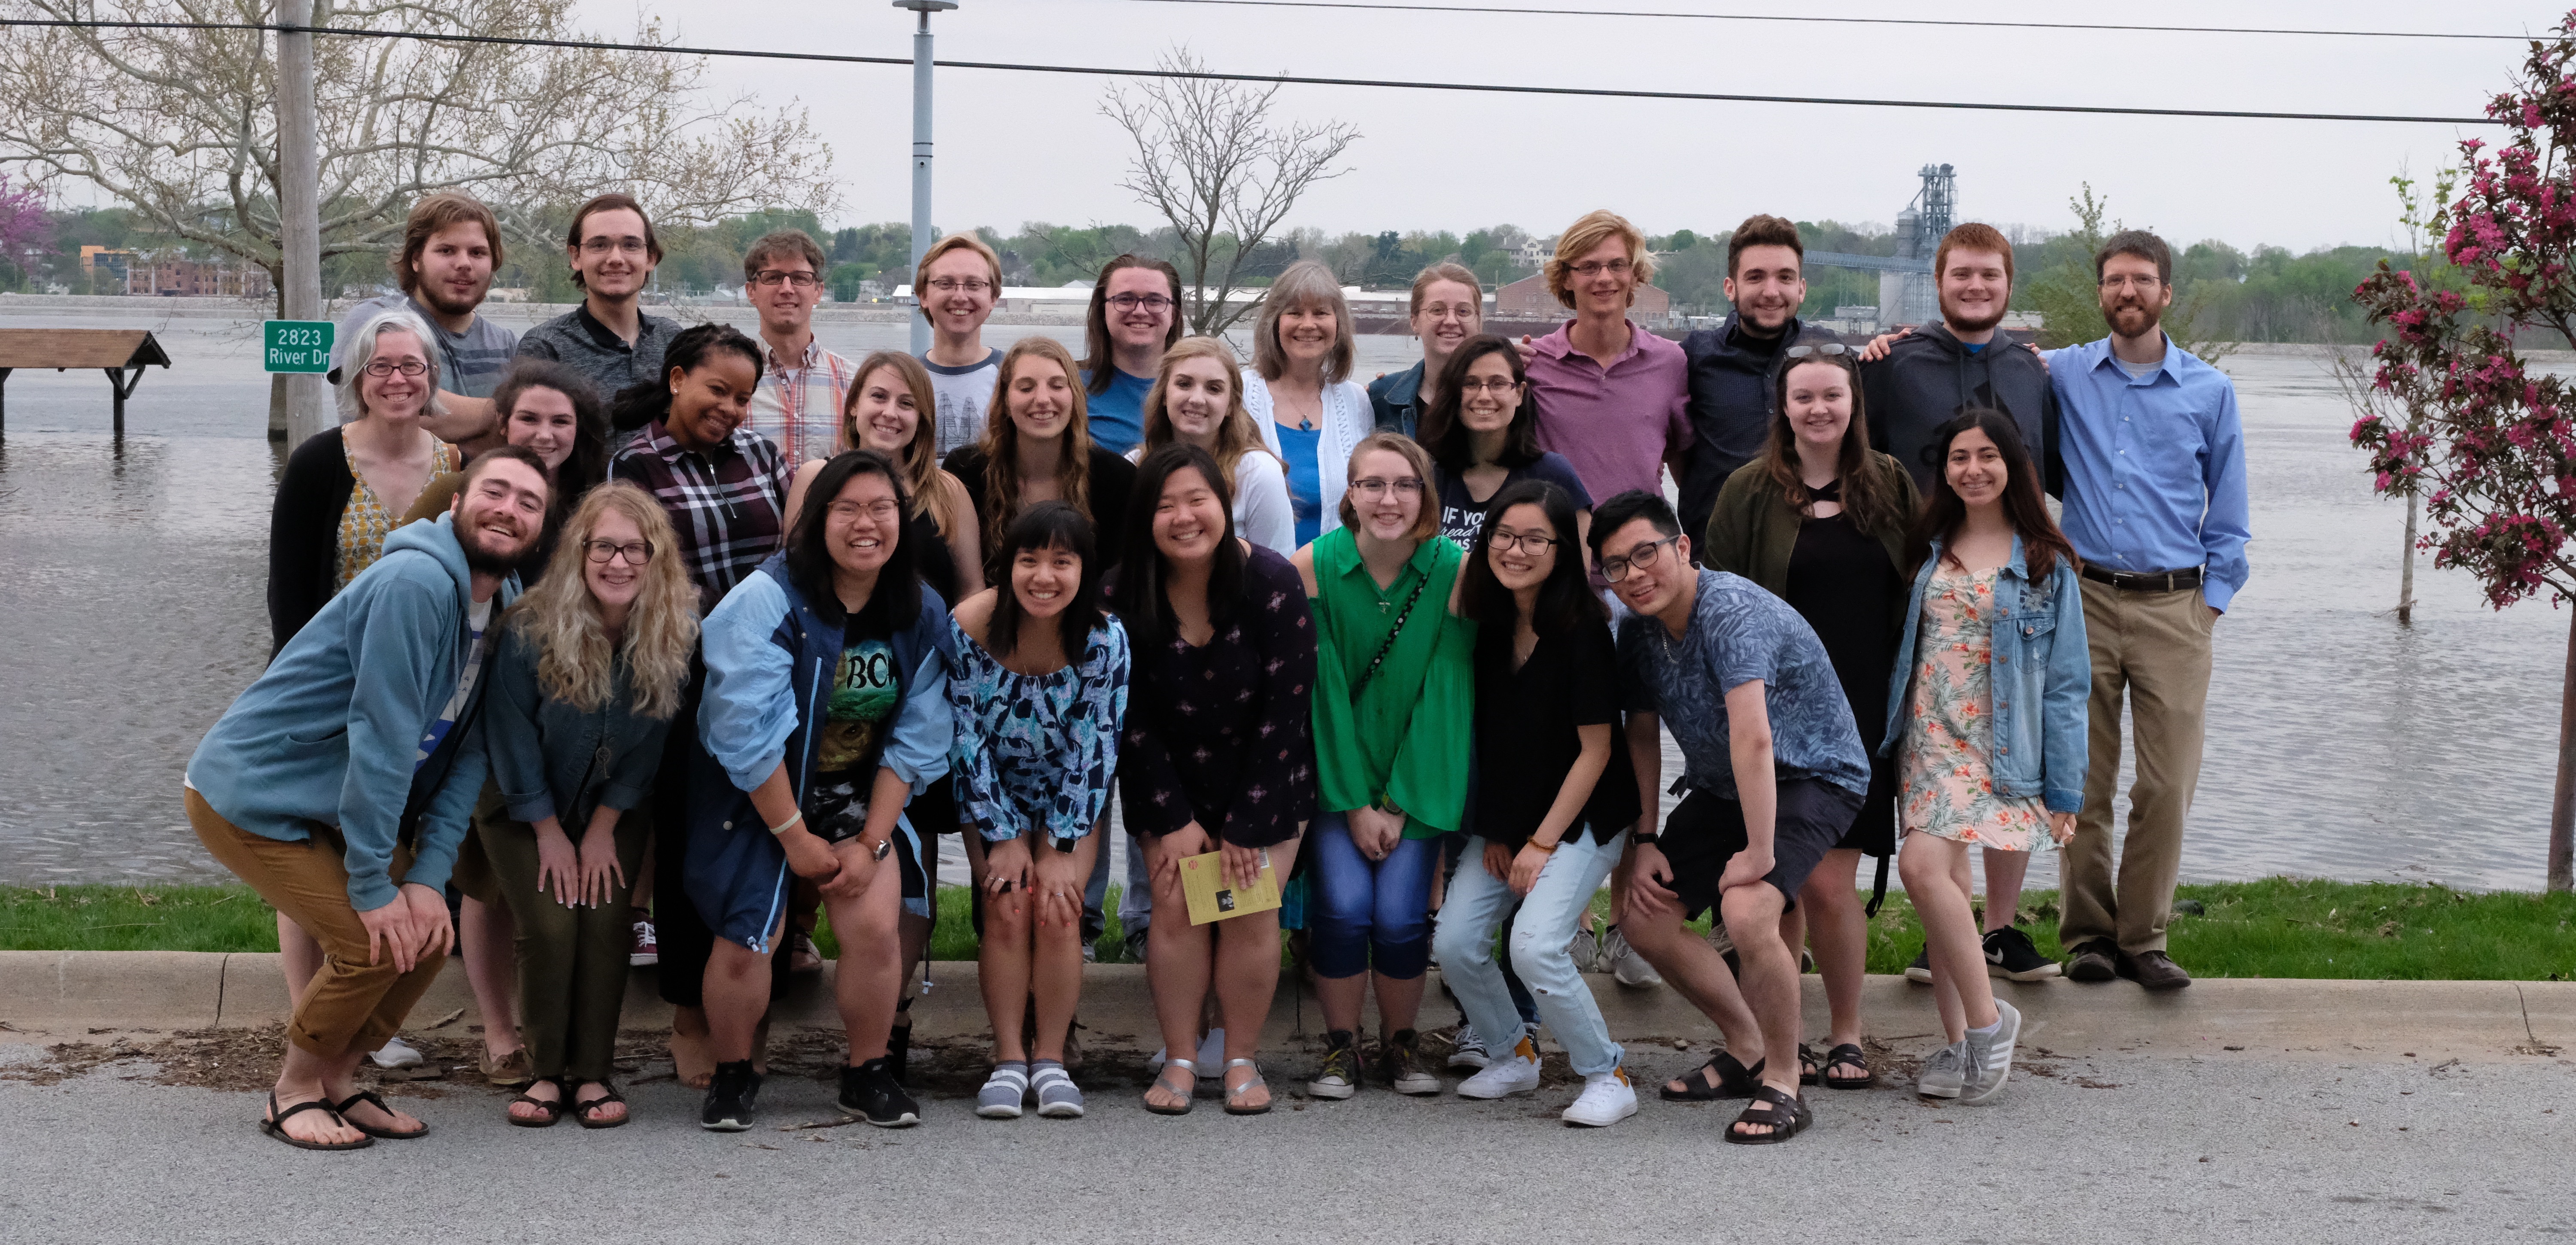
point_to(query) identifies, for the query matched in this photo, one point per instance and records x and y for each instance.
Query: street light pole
(921, 227)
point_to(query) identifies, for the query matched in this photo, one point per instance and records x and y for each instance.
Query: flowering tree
(2494, 451)
(25, 230)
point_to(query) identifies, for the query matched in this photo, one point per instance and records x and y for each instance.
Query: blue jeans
(1369, 913)
(1477, 905)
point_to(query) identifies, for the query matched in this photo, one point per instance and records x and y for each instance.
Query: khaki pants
(352, 1004)
(2152, 647)
(572, 961)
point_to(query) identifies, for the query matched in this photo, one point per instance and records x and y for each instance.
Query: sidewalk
(52, 996)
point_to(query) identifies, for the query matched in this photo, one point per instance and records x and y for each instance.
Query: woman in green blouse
(1394, 701)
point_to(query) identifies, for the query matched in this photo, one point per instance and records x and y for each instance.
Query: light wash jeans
(1477, 904)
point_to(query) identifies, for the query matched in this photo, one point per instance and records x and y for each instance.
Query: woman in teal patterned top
(1394, 702)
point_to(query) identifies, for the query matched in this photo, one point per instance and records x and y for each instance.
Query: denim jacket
(2039, 659)
(554, 760)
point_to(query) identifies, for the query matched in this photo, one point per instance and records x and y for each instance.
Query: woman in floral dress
(1988, 711)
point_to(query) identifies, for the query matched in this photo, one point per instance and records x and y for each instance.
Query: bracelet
(789, 824)
(1646, 840)
(1549, 848)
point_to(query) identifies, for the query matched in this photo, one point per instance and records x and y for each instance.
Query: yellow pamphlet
(1203, 882)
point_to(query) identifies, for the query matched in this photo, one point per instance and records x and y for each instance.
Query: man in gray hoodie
(339, 784)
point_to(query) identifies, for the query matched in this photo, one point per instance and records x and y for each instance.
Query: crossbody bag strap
(1360, 684)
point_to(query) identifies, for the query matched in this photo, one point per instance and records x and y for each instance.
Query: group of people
(652, 641)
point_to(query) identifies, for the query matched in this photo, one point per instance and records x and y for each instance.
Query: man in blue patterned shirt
(1774, 773)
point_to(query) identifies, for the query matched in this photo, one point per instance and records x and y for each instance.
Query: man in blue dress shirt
(2154, 457)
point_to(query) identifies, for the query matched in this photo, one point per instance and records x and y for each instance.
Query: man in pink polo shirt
(1611, 396)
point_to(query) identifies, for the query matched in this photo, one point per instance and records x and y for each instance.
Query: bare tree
(1212, 163)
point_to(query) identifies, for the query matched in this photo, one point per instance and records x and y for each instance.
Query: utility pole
(299, 177)
(921, 226)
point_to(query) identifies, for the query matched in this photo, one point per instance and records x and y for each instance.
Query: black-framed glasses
(1535, 544)
(1645, 555)
(636, 552)
(1140, 302)
(1473, 385)
(602, 246)
(773, 276)
(382, 368)
(1817, 350)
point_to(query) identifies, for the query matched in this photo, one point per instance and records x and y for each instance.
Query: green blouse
(1407, 737)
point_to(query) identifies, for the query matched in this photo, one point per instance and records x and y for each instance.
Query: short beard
(479, 557)
(1961, 324)
(2111, 319)
(428, 293)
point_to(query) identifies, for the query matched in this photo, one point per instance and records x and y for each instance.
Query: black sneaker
(1920, 971)
(1399, 1064)
(2009, 955)
(870, 1092)
(1343, 1068)
(731, 1098)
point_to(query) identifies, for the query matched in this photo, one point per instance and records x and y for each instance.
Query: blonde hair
(1596, 227)
(559, 615)
(1236, 433)
(1001, 441)
(939, 250)
(1306, 282)
(934, 492)
(1452, 271)
(1426, 524)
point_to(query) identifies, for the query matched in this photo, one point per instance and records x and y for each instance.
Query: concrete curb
(52, 996)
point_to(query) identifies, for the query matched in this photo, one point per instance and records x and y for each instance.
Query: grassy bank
(2277, 927)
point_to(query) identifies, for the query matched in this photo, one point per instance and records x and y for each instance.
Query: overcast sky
(1017, 147)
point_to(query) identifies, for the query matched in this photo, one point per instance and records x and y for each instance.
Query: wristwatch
(1067, 843)
(883, 846)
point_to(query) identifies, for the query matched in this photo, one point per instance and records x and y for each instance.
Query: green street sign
(297, 345)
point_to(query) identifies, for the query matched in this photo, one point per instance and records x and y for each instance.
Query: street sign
(297, 345)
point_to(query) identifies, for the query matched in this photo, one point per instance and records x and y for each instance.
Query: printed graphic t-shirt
(477, 622)
(961, 393)
(856, 716)
(1462, 517)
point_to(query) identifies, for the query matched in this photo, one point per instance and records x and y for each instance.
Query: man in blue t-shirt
(1135, 317)
(1774, 770)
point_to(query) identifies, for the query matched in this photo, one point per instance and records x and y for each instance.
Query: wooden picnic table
(121, 353)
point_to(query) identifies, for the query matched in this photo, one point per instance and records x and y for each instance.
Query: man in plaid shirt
(803, 386)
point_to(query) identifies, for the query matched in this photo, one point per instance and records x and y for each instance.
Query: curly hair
(576, 664)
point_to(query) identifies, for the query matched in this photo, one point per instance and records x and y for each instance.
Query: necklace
(1304, 424)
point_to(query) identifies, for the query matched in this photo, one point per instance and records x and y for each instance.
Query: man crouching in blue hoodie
(338, 786)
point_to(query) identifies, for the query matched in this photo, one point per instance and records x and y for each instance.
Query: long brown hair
(1865, 492)
(934, 492)
(1001, 443)
(1095, 323)
(1944, 510)
(1236, 433)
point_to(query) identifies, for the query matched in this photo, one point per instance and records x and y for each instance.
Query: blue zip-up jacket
(770, 660)
(1395, 400)
(553, 760)
(331, 733)
(2039, 661)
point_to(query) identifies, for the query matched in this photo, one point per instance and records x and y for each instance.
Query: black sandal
(1785, 1116)
(1810, 1069)
(372, 1098)
(275, 1126)
(1847, 1056)
(581, 1110)
(553, 1108)
(1723, 1076)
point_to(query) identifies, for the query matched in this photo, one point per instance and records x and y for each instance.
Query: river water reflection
(2340, 744)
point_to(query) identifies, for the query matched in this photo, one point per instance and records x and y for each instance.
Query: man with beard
(1730, 365)
(339, 786)
(451, 246)
(2156, 507)
(1923, 380)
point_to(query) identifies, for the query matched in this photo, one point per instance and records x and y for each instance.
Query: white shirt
(1348, 419)
(1262, 513)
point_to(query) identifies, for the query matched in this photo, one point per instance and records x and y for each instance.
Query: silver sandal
(1186, 1091)
(1234, 1096)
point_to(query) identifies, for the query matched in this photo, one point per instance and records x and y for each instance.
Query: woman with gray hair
(1299, 389)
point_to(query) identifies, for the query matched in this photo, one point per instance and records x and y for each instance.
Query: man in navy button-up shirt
(2154, 457)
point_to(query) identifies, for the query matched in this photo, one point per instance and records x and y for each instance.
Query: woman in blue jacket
(591, 669)
(826, 711)
(1988, 704)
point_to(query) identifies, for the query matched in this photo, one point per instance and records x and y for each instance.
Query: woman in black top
(1482, 431)
(1037, 447)
(1555, 799)
(1217, 755)
(1821, 520)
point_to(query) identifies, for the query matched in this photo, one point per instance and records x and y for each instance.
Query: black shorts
(1873, 831)
(1707, 830)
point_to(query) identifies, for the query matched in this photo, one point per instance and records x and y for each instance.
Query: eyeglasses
(1508, 540)
(1373, 487)
(636, 552)
(2124, 282)
(1819, 350)
(952, 285)
(1594, 268)
(1645, 555)
(602, 246)
(880, 510)
(772, 277)
(1140, 302)
(1473, 385)
(382, 368)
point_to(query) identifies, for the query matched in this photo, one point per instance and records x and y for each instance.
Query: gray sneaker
(1990, 1058)
(1945, 1073)
(1626, 966)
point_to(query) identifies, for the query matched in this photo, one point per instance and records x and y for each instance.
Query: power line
(1278, 79)
(1846, 21)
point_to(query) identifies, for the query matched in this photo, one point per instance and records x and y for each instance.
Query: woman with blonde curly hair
(592, 666)
(1197, 399)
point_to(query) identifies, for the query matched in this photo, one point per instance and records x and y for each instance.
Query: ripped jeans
(1477, 905)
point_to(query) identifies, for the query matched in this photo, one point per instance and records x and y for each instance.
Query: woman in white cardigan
(1299, 390)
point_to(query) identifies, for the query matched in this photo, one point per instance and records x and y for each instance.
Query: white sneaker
(1468, 1053)
(1516, 1072)
(1211, 1056)
(395, 1053)
(1607, 1099)
(1626, 966)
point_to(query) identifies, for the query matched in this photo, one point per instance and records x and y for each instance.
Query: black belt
(2146, 581)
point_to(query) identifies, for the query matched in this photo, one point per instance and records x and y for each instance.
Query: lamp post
(921, 226)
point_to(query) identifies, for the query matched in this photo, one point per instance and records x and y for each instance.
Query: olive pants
(2153, 650)
(572, 961)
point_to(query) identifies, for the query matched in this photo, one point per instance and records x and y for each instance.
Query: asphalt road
(2112, 1148)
